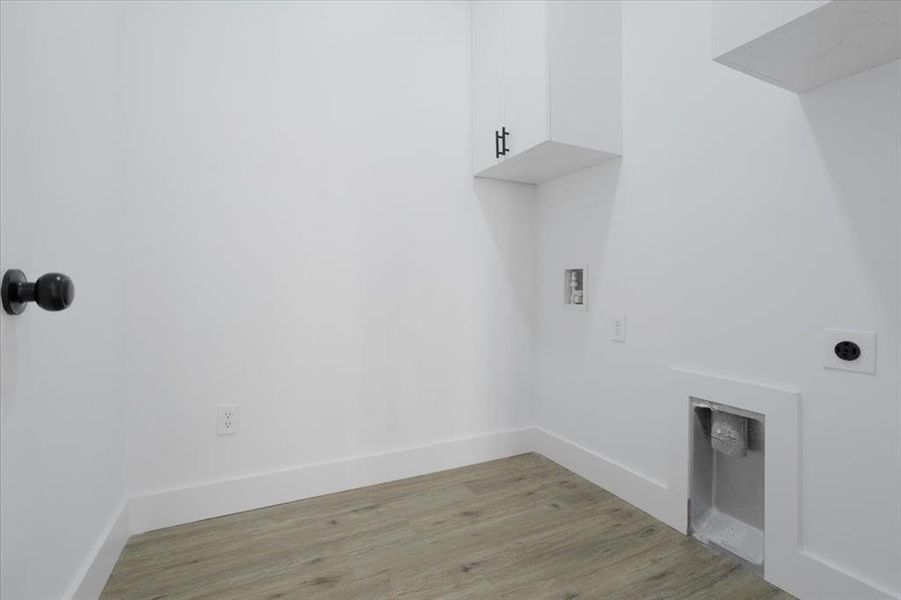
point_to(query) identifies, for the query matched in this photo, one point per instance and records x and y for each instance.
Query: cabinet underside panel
(546, 161)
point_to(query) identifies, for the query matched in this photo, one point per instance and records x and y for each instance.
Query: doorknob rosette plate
(11, 279)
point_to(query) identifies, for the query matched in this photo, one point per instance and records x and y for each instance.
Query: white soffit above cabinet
(801, 45)
(546, 87)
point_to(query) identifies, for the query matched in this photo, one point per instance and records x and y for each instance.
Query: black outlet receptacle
(847, 350)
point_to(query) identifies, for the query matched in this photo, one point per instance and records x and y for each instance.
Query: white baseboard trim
(184, 505)
(810, 577)
(646, 493)
(95, 570)
(821, 578)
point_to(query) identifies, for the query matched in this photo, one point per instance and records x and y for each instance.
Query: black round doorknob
(53, 291)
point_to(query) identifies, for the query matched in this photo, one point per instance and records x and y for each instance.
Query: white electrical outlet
(228, 419)
(850, 350)
(617, 326)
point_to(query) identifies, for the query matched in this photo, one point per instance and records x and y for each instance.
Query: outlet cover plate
(616, 326)
(866, 363)
(227, 419)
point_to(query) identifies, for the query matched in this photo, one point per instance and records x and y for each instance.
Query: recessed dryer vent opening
(726, 507)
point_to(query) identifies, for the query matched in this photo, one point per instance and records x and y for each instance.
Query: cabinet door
(585, 65)
(487, 81)
(525, 74)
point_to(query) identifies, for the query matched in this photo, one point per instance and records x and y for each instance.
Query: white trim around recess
(788, 564)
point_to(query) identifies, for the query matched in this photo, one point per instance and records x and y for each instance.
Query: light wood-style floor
(518, 528)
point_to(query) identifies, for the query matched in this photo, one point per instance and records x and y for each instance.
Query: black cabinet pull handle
(497, 144)
(53, 291)
(504, 134)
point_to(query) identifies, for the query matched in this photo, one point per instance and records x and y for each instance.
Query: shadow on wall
(576, 214)
(580, 220)
(856, 126)
(596, 204)
(856, 123)
(506, 211)
(511, 225)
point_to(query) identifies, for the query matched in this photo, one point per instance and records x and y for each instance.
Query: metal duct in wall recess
(727, 481)
(729, 433)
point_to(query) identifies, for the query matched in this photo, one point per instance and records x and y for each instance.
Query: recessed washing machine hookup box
(726, 506)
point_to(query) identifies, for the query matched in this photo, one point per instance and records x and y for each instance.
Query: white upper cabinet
(803, 44)
(487, 42)
(547, 87)
(525, 72)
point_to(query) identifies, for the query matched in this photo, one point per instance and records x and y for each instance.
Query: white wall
(741, 222)
(60, 373)
(307, 240)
